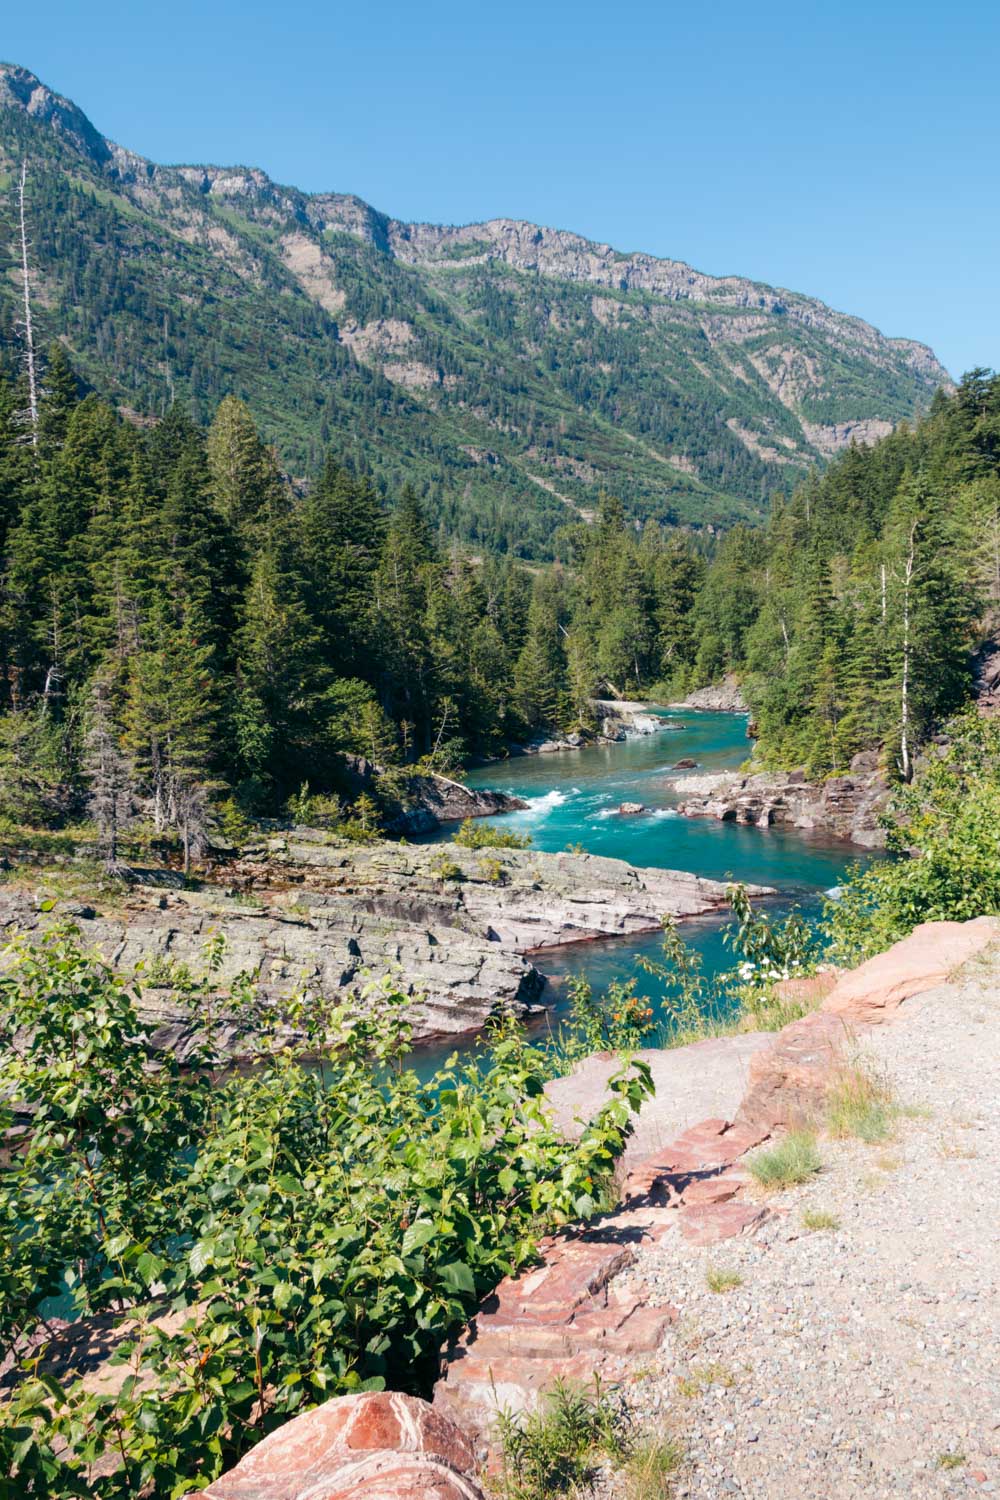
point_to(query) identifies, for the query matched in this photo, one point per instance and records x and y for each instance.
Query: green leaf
(419, 1234)
(456, 1276)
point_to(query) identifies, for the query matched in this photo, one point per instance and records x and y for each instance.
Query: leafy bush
(256, 1242)
(621, 1021)
(945, 832)
(473, 835)
(445, 868)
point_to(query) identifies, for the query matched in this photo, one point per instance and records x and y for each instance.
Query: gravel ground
(864, 1360)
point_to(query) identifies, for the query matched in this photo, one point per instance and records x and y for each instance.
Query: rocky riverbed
(615, 720)
(450, 926)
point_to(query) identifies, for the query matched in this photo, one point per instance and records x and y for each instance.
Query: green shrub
(479, 835)
(621, 1021)
(944, 830)
(446, 868)
(314, 1228)
(553, 1451)
(492, 870)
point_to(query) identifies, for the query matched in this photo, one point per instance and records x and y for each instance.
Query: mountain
(511, 372)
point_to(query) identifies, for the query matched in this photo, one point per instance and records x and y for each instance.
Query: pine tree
(244, 478)
(282, 676)
(171, 713)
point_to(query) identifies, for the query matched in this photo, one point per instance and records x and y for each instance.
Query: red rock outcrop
(375, 1446)
(789, 1080)
(919, 962)
(569, 1319)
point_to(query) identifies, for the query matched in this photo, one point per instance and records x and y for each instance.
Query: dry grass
(957, 1151)
(862, 1104)
(700, 1377)
(815, 1219)
(650, 1466)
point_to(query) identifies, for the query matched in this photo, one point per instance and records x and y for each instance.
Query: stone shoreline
(846, 806)
(449, 926)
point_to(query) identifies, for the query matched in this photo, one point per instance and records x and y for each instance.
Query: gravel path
(861, 1360)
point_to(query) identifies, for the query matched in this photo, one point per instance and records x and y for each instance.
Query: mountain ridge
(511, 369)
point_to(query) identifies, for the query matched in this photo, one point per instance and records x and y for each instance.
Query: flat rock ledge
(846, 806)
(304, 908)
(723, 697)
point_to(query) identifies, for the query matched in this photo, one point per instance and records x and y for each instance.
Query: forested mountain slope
(509, 372)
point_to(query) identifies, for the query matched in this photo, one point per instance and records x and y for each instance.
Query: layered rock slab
(847, 806)
(704, 1080)
(307, 909)
(790, 1079)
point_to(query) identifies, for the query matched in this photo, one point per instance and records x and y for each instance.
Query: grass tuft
(814, 1219)
(650, 1466)
(719, 1279)
(700, 1377)
(949, 1460)
(862, 1104)
(792, 1161)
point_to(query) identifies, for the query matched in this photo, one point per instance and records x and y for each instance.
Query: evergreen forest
(187, 630)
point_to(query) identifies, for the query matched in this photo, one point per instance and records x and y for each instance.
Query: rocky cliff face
(570, 257)
(846, 806)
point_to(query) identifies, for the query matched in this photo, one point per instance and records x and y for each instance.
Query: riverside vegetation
(245, 1245)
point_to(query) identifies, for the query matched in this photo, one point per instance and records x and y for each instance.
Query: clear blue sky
(848, 150)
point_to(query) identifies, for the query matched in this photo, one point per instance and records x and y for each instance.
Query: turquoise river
(573, 796)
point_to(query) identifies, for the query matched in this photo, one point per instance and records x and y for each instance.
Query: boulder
(380, 1445)
(632, 809)
(722, 697)
(438, 799)
(919, 962)
(684, 765)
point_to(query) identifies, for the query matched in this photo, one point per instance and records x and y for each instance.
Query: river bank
(846, 806)
(452, 929)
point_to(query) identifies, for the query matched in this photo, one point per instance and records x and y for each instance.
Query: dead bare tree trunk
(905, 688)
(29, 333)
